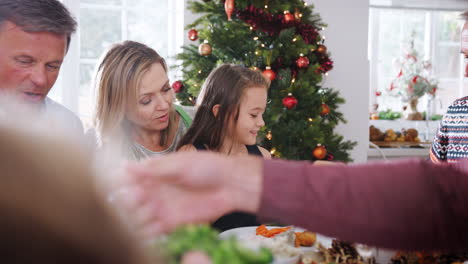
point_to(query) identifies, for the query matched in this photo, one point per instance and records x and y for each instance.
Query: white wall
(346, 39)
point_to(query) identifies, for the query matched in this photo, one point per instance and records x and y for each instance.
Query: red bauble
(302, 61)
(193, 34)
(229, 8)
(325, 109)
(289, 101)
(378, 93)
(288, 17)
(269, 73)
(319, 152)
(177, 86)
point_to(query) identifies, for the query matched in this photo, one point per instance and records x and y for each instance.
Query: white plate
(241, 232)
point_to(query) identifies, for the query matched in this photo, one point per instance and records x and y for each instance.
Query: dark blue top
(236, 219)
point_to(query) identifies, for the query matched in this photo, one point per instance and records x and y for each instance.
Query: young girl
(135, 110)
(229, 116)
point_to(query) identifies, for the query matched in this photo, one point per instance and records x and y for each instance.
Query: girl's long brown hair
(117, 82)
(224, 86)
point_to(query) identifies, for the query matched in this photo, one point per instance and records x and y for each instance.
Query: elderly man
(34, 38)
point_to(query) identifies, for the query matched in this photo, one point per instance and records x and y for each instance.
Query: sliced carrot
(263, 231)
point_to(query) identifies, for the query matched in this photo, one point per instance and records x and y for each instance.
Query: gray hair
(464, 15)
(38, 16)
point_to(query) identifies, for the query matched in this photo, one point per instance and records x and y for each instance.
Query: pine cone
(451, 258)
(342, 246)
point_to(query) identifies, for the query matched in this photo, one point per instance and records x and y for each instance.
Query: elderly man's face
(29, 62)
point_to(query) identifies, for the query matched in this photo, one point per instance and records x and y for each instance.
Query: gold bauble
(205, 49)
(322, 49)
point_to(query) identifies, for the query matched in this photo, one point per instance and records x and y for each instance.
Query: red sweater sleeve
(408, 205)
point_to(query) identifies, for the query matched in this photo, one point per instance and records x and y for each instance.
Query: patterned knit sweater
(451, 141)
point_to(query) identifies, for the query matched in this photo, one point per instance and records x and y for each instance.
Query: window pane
(161, 5)
(86, 92)
(397, 28)
(102, 2)
(448, 92)
(152, 32)
(447, 61)
(449, 24)
(99, 29)
(86, 76)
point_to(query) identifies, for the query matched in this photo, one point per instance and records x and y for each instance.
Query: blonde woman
(135, 103)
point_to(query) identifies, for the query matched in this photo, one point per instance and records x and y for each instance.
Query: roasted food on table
(305, 239)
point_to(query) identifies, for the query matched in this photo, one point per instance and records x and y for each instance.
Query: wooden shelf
(404, 144)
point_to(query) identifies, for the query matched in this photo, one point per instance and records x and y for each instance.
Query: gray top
(138, 152)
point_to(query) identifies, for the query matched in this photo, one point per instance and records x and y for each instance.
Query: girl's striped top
(451, 140)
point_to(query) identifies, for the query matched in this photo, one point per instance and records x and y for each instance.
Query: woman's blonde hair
(117, 80)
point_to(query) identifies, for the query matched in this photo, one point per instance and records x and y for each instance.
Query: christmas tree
(413, 81)
(414, 78)
(282, 39)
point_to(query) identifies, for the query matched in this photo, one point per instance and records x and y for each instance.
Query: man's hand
(192, 187)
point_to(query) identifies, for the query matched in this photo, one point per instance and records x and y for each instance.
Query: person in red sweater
(408, 205)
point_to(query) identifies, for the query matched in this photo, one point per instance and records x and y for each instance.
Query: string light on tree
(273, 151)
(193, 34)
(290, 101)
(298, 15)
(269, 136)
(191, 100)
(319, 152)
